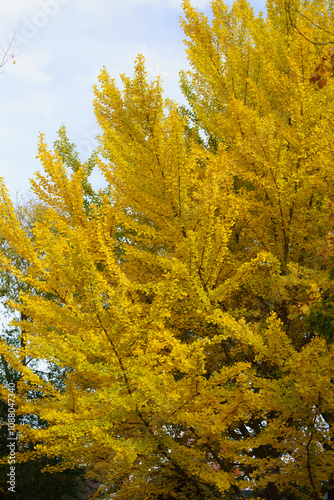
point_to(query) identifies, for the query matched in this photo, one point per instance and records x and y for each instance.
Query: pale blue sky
(60, 47)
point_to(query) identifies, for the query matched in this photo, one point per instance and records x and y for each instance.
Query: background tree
(189, 369)
(31, 483)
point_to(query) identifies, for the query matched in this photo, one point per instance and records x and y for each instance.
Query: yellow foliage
(171, 305)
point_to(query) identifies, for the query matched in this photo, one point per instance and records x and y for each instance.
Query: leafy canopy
(174, 303)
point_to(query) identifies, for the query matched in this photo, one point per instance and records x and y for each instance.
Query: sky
(59, 48)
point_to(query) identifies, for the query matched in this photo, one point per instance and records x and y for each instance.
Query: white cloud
(106, 7)
(85, 80)
(12, 14)
(22, 20)
(40, 101)
(18, 7)
(37, 102)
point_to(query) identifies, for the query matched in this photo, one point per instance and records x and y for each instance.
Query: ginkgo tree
(28, 477)
(176, 303)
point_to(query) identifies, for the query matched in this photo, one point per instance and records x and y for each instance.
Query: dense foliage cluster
(173, 305)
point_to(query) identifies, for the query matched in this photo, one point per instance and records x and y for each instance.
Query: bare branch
(6, 54)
